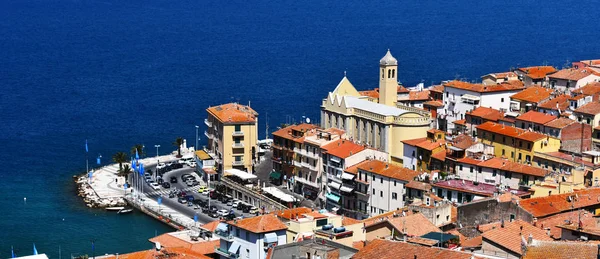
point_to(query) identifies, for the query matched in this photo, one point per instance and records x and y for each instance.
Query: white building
(498, 171)
(460, 97)
(569, 79)
(250, 237)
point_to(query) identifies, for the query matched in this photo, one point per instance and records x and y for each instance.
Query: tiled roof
(571, 74)
(418, 95)
(436, 88)
(511, 131)
(233, 113)
(587, 219)
(354, 169)
(379, 248)
(431, 145)
(559, 123)
(560, 250)
(502, 75)
(592, 108)
(440, 155)
(460, 122)
(553, 204)
(468, 160)
(589, 89)
(486, 113)
(401, 89)
(343, 148)
(346, 221)
(358, 245)
(413, 225)
(533, 94)
(370, 93)
(292, 213)
(505, 165)
(481, 189)
(434, 103)
(562, 101)
(463, 141)
(489, 226)
(472, 242)
(536, 117)
(315, 215)
(538, 72)
(383, 216)
(287, 132)
(389, 170)
(418, 186)
(413, 142)
(422, 241)
(567, 157)
(259, 224)
(211, 226)
(510, 236)
(505, 86)
(169, 240)
(174, 253)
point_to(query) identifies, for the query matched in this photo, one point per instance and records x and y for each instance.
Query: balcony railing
(237, 162)
(237, 145)
(309, 166)
(224, 235)
(238, 133)
(208, 135)
(225, 253)
(208, 123)
(297, 164)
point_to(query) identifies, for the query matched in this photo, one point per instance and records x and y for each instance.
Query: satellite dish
(158, 246)
(307, 120)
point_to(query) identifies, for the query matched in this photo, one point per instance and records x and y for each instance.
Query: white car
(191, 163)
(222, 213)
(161, 166)
(155, 186)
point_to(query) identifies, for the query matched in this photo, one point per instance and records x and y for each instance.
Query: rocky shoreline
(91, 199)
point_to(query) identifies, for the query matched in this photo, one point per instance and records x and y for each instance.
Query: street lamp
(156, 146)
(196, 147)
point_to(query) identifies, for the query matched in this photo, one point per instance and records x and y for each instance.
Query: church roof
(377, 108)
(388, 59)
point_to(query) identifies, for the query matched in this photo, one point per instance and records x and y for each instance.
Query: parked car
(166, 185)
(212, 214)
(190, 197)
(201, 189)
(222, 213)
(173, 179)
(246, 209)
(160, 181)
(155, 186)
(230, 203)
(235, 203)
(253, 210)
(182, 200)
(161, 166)
(230, 216)
(191, 163)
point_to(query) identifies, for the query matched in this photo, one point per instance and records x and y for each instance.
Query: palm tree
(178, 142)
(125, 171)
(139, 148)
(120, 157)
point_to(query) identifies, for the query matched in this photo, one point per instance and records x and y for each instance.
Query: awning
(335, 159)
(222, 227)
(346, 189)
(239, 173)
(455, 148)
(470, 97)
(275, 175)
(334, 185)
(270, 238)
(333, 197)
(440, 237)
(347, 176)
(279, 194)
(234, 248)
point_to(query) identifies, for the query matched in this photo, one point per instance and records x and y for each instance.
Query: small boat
(123, 211)
(115, 208)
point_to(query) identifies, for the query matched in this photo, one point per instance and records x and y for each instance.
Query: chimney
(529, 239)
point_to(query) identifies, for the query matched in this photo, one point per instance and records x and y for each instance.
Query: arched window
(382, 74)
(389, 73)
(393, 73)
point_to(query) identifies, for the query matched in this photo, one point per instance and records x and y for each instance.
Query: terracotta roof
(489, 226)
(460, 122)
(559, 123)
(259, 224)
(571, 74)
(169, 240)
(592, 108)
(418, 95)
(291, 213)
(472, 242)
(468, 160)
(440, 155)
(414, 225)
(370, 93)
(502, 75)
(358, 245)
(389, 170)
(431, 145)
(510, 236)
(533, 94)
(587, 219)
(233, 113)
(413, 142)
(302, 130)
(418, 186)
(562, 101)
(343, 148)
(511, 131)
(380, 217)
(588, 89)
(463, 141)
(467, 186)
(560, 250)
(346, 221)
(508, 197)
(505, 165)
(422, 241)
(486, 113)
(554, 204)
(354, 169)
(315, 215)
(455, 232)
(402, 89)
(211, 226)
(434, 103)
(436, 88)
(505, 86)
(379, 248)
(536, 117)
(174, 253)
(538, 72)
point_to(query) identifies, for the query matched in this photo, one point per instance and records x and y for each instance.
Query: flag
(86, 146)
(195, 217)
(34, 249)
(137, 156)
(159, 200)
(125, 186)
(90, 173)
(141, 168)
(12, 252)
(98, 159)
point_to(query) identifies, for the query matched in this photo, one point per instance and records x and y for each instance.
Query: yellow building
(232, 136)
(381, 125)
(515, 144)
(306, 224)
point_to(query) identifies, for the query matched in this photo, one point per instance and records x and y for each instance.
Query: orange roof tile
(414, 225)
(588, 89)
(587, 219)
(259, 224)
(358, 245)
(571, 74)
(559, 123)
(380, 248)
(436, 88)
(431, 145)
(511, 131)
(418, 95)
(295, 132)
(533, 94)
(505, 86)
(434, 103)
(292, 213)
(536, 117)
(554, 204)
(592, 108)
(538, 72)
(502, 75)
(440, 155)
(402, 89)
(370, 93)
(380, 217)
(463, 141)
(343, 148)
(468, 160)
(422, 241)
(204, 248)
(354, 169)
(168, 240)
(505, 165)
(562, 101)
(349, 221)
(460, 122)
(233, 113)
(152, 254)
(211, 226)
(486, 113)
(472, 242)
(510, 236)
(314, 215)
(418, 186)
(489, 226)
(413, 142)
(560, 250)
(455, 232)
(389, 170)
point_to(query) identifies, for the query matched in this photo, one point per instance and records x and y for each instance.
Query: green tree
(139, 148)
(178, 142)
(125, 171)
(120, 158)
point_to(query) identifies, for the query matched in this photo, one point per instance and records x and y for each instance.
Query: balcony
(225, 253)
(225, 235)
(208, 123)
(208, 135)
(238, 145)
(297, 164)
(309, 166)
(237, 133)
(307, 182)
(312, 155)
(235, 163)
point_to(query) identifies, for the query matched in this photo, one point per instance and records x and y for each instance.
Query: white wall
(409, 160)
(383, 201)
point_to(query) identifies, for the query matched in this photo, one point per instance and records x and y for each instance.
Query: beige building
(381, 125)
(232, 136)
(304, 225)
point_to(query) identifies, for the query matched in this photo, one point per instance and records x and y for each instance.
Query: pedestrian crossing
(165, 192)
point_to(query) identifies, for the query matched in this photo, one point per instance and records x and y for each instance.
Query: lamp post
(196, 147)
(156, 146)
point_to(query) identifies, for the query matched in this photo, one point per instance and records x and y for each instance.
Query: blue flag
(86, 147)
(12, 252)
(141, 168)
(90, 173)
(137, 156)
(195, 217)
(98, 159)
(159, 200)
(34, 249)
(125, 186)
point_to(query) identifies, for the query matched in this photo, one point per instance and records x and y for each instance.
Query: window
(508, 175)
(494, 173)
(381, 180)
(520, 143)
(321, 222)
(471, 169)
(528, 145)
(237, 232)
(503, 152)
(373, 177)
(238, 127)
(512, 154)
(501, 100)
(381, 193)
(493, 137)
(460, 167)
(373, 191)
(247, 235)
(459, 197)
(413, 153)
(394, 196)
(394, 182)
(503, 139)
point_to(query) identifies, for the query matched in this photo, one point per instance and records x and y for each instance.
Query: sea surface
(124, 72)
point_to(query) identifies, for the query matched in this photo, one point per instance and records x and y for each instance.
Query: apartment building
(569, 79)
(534, 75)
(250, 237)
(287, 146)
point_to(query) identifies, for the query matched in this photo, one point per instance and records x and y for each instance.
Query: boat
(115, 208)
(123, 211)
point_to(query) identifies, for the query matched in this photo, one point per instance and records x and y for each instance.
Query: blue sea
(124, 72)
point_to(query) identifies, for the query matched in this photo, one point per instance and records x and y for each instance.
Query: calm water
(126, 72)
